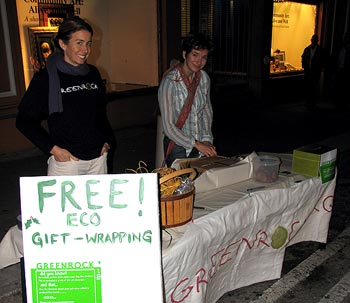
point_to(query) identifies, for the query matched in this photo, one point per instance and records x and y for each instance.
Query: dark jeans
(178, 152)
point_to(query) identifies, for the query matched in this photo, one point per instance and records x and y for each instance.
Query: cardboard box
(315, 160)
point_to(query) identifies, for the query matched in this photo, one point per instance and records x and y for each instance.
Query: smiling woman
(185, 106)
(70, 94)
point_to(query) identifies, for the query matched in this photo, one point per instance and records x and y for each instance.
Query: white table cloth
(238, 236)
(11, 247)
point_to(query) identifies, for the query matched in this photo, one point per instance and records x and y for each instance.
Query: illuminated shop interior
(293, 24)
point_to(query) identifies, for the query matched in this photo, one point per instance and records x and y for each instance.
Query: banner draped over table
(244, 242)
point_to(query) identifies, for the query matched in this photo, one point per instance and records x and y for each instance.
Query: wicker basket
(177, 210)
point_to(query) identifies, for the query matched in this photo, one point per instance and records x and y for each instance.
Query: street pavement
(239, 128)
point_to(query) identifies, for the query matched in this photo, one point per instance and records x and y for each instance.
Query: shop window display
(292, 26)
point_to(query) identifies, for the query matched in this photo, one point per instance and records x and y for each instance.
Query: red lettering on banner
(226, 253)
(218, 259)
(328, 203)
(214, 264)
(260, 239)
(292, 229)
(201, 279)
(184, 292)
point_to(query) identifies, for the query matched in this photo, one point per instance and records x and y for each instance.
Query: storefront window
(293, 24)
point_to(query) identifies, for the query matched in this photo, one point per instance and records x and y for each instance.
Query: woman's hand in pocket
(105, 148)
(62, 155)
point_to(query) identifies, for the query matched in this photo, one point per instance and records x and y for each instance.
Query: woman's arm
(32, 110)
(206, 121)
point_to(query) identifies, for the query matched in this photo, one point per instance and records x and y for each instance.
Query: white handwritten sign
(92, 238)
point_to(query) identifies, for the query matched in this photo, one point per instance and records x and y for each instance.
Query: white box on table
(218, 171)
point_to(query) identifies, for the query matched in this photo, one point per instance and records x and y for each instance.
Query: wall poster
(41, 40)
(54, 14)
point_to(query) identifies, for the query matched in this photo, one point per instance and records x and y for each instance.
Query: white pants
(95, 166)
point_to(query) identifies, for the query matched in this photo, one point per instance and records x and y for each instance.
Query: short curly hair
(195, 41)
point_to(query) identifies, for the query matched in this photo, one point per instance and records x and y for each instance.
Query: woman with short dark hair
(185, 106)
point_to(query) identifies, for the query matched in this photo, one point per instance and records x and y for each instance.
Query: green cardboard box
(315, 160)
